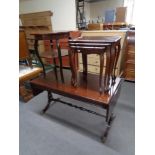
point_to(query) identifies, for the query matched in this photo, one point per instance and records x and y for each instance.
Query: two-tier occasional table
(56, 36)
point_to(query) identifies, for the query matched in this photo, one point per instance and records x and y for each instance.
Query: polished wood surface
(96, 45)
(26, 71)
(129, 71)
(86, 90)
(94, 60)
(51, 36)
(56, 46)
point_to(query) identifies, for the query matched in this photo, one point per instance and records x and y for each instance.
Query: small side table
(51, 36)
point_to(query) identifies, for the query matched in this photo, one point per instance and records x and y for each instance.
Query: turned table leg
(101, 71)
(73, 68)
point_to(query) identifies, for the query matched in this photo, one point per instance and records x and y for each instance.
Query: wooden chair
(26, 69)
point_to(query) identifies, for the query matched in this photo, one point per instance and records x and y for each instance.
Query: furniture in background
(129, 73)
(95, 26)
(40, 22)
(94, 60)
(36, 22)
(121, 14)
(114, 25)
(107, 26)
(108, 46)
(26, 71)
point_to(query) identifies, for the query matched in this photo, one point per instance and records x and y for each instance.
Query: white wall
(98, 8)
(87, 11)
(64, 11)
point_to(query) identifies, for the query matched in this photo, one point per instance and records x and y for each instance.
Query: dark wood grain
(129, 71)
(110, 45)
(86, 90)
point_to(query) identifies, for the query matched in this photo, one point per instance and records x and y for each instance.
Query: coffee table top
(85, 91)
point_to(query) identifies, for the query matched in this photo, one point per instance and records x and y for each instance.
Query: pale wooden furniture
(95, 26)
(94, 60)
(107, 26)
(26, 71)
(36, 22)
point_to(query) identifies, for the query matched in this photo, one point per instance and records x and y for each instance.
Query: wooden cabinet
(129, 72)
(96, 26)
(94, 60)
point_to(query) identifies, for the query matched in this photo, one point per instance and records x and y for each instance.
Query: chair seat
(27, 73)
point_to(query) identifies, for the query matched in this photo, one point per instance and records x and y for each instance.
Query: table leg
(108, 126)
(55, 68)
(117, 52)
(60, 60)
(50, 99)
(101, 71)
(54, 60)
(107, 70)
(38, 56)
(73, 68)
(84, 60)
(112, 62)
